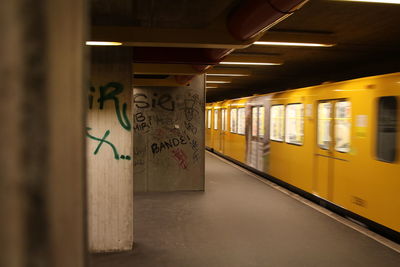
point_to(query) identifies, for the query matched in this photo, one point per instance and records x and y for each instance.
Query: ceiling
(367, 38)
(181, 14)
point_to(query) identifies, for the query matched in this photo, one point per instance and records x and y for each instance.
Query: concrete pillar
(168, 125)
(109, 150)
(42, 138)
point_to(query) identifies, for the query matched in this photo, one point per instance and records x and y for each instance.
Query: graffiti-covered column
(109, 150)
(168, 127)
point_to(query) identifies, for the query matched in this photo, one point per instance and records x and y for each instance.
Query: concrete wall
(109, 150)
(41, 137)
(168, 126)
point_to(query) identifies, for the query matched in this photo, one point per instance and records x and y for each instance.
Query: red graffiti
(181, 157)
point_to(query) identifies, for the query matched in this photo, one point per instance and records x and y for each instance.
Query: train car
(337, 143)
(225, 131)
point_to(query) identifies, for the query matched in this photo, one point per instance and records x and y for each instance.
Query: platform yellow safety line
(348, 222)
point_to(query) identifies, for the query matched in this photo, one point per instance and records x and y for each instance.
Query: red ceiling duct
(254, 16)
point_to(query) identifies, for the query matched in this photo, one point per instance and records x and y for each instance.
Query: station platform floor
(241, 221)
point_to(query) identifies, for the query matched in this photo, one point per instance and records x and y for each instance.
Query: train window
(209, 118)
(387, 122)
(223, 120)
(257, 117)
(216, 119)
(342, 126)
(261, 122)
(254, 119)
(294, 124)
(324, 124)
(241, 122)
(233, 120)
(277, 119)
(226, 120)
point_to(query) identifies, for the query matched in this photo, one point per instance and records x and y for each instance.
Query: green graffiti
(106, 94)
(90, 96)
(126, 157)
(101, 141)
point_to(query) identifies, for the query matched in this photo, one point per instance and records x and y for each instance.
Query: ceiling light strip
(227, 74)
(250, 63)
(103, 43)
(293, 44)
(217, 81)
(397, 2)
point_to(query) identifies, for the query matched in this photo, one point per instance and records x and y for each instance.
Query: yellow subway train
(336, 143)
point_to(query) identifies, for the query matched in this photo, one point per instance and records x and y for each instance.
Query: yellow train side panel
(358, 181)
(235, 146)
(288, 162)
(375, 184)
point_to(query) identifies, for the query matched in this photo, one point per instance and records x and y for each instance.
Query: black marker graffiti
(141, 123)
(196, 150)
(164, 101)
(168, 144)
(190, 127)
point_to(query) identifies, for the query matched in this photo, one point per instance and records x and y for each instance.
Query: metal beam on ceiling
(156, 37)
(257, 58)
(170, 69)
(167, 82)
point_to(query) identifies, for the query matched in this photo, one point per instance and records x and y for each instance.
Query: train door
(333, 145)
(223, 130)
(257, 132)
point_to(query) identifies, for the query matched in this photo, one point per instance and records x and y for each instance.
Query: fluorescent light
(211, 86)
(217, 81)
(293, 44)
(103, 43)
(250, 63)
(374, 1)
(227, 74)
(235, 105)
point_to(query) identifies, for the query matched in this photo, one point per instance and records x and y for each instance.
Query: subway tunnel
(200, 133)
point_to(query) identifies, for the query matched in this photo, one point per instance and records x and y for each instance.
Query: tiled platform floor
(240, 222)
